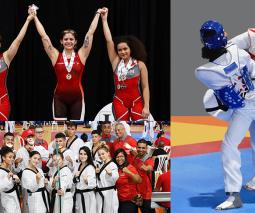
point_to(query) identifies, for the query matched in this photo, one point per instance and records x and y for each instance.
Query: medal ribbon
(70, 65)
(123, 70)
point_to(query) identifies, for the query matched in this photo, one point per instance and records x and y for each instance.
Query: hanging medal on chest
(122, 78)
(68, 76)
(69, 65)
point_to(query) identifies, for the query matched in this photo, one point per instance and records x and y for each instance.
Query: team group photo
(99, 166)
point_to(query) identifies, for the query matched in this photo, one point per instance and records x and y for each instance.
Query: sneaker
(234, 201)
(250, 185)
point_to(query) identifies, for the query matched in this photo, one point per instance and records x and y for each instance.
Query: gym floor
(197, 174)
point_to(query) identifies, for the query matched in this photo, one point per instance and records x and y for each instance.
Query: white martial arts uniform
(1, 208)
(24, 154)
(85, 190)
(66, 182)
(149, 129)
(95, 156)
(247, 41)
(38, 200)
(9, 198)
(71, 166)
(75, 146)
(217, 75)
(107, 198)
(10, 126)
(51, 147)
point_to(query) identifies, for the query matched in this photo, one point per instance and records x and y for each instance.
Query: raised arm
(51, 51)
(113, 56)
(145, 88)
(87, 44)
(11, 52)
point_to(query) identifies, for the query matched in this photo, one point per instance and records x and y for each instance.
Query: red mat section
(202, 148)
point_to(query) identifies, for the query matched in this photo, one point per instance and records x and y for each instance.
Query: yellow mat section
(188, 133)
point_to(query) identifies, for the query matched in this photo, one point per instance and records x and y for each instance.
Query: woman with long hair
(127, 56)
(85, 183)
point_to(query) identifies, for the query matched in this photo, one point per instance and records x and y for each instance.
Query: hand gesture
(31, 13)
(104, 13)
(77, 173)
(145, 112)
(97, 170)
(126, 145)
(126, 170)
(16, 178)
(38, 176)
(68, 158)
(46, 181)
(108, 172)
(10, 175)
(60, 192)
(18, 160)
(99, 11)
(143, 167)
(85, 178)
(56, 179)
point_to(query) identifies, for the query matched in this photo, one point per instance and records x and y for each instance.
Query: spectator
(162, 137)
(144, 166)
(126, 184)
(84, 137)
(164, 185)
(39, 140)
(125, 142)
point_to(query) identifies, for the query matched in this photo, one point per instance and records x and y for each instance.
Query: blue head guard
(212, 35)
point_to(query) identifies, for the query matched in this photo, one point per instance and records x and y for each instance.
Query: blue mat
(197, 183)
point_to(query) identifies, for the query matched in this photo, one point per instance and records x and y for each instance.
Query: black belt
(42, 190)
(99, 190)
(53, 198)
(14, 188)
(79, 191)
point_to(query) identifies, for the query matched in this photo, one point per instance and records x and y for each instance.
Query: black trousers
(146, 207)
(127, 207)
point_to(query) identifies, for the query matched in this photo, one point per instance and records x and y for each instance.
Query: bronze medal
(68, 76)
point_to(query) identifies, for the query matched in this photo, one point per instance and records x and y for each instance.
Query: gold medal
(68, 76)
(118, 86)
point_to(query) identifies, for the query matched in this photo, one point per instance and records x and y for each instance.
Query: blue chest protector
(232, 98)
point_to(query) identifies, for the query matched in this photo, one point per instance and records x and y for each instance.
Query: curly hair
(136, 46)
(4, 151)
